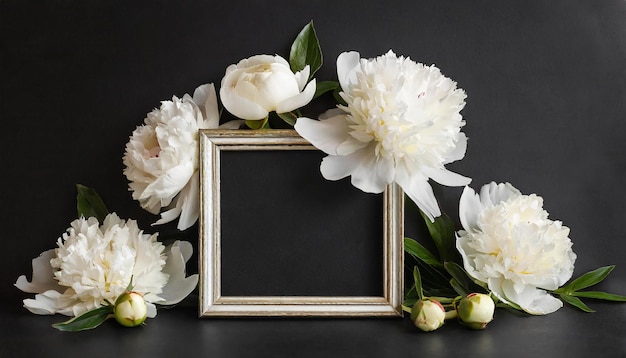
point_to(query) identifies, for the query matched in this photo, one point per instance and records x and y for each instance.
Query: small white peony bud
(428, 314)
(130, 309)
(476, 310)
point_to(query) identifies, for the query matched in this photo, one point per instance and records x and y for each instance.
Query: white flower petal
(459, 150)
(241, 107)
(470, 207)
(326, 135)
(494, 194)
(299, 100)
(532, 300)
(178, 286)
(190, 199)
(206, 98)
(152, 310)
(445, 177)
(169, 184)
(417, 188)
(302, 77)
(346, 62)
(45, 303)
(43, 278)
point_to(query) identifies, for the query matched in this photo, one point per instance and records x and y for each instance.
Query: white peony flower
(94, 264)
(401, 124)
(261, 84)
(161, 157)
(509, 244)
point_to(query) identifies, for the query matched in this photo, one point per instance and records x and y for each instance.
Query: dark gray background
(546, 85)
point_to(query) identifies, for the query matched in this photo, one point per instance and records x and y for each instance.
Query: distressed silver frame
(212, 303)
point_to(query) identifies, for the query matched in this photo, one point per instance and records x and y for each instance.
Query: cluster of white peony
(509, 245)
(401, 124)
(162, 156)
(96, 263)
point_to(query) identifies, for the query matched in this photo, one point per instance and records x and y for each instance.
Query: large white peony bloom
(94, 264)
(261, 84)
(401, 124)
(161, 157)
(509, 244)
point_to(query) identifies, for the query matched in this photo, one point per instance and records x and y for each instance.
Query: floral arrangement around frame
(396, 122)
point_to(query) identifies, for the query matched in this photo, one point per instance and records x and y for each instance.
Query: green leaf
(576, 302)
(460, 290)
(89, 203)
(418, 283)
(464, 281)
(258, 124)
(288, 118)
(416, 249)
(599, 296)
(410, 302)
(88, 320)
(589, 279)
(338, 97)
(306, 50)
(442, 232)
(326, 86)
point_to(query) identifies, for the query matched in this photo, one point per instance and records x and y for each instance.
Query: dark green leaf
(258, 124)
(460, 290)
(418, 283)
(416, 249)
(288, 118)
(338, 97)
(306, 50)
(88, 320)
(575, 302)
(459, 274)
(411, 293)
(442, 232)
(589, 279)
(410, 302)
(89, 203)
(599, 295)
(325, 86)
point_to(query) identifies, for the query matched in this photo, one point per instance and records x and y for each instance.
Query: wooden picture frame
(214, 144)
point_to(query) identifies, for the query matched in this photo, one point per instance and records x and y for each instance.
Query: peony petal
(302, 77)
(470, 208)
(205, 97)
(417, 188)
(445, 177)
(169, 184)
(152, 310)
(372, 174)
(493, 194)
(178, 286)
(45, 303)
(326, 135)
(298, 101)
(531, 299)
(459, 150)
(346, 62)
(189, 202)
(43, 277)
(240, 106)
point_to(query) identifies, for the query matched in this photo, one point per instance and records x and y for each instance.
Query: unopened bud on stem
(130, 309)
(476, 310)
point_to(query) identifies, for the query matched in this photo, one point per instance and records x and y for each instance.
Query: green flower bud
(476, 310)
(130, 309)
(428, 314)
